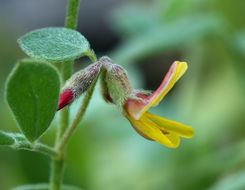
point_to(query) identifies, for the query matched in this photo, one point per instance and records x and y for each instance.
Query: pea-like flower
(153, 127)
(135, 103)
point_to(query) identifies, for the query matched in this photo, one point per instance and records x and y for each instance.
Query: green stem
(45, 149)
(92, 56)
(72, 14)
(57, 173)
(37, 147)
(57, 165)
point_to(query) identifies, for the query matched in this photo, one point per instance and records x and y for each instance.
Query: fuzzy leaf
(54, 44)
(32, 92)
(6, 139)
(44, 187)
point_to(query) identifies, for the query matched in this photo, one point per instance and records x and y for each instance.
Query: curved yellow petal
(137, 108)
(150, 130)
(176, 70)
(171, 126)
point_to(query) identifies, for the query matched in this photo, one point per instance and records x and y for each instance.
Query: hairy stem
(57, 165)
(36, 147)
(92, 56)
(57, 173)
(72, 14)
(45, 149)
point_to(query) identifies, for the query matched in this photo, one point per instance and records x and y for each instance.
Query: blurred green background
(145, 36)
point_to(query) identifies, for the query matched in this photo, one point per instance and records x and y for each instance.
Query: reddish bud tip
(66, 97)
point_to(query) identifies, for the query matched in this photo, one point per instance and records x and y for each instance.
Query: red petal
(66, 97)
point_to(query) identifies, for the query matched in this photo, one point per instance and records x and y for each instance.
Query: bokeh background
(145, 36)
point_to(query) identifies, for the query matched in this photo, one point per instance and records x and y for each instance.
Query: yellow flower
(153, 127)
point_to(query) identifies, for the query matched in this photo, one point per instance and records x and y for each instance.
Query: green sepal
(54, 44)
(32, 92)
(114, 82)
(104, 88)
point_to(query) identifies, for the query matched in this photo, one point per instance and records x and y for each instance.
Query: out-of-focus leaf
(173, 9)
(32, 93)
(6, 139)
(233, 13)
(169, 36)
(234, 181)
(54, 44)
(132, 20)
(240, 42)
(44, 187)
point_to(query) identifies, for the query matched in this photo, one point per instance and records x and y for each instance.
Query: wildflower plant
(43, 84)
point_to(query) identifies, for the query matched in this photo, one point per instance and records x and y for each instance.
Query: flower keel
(151, 131)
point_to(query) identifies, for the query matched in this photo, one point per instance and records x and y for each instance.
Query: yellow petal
(137, 126)
(174, 139)
(176, 70)
(150, 130)
(171, 126)
(137, 108)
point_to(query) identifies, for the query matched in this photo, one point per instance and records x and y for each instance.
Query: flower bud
(78, 84)
(114, 81)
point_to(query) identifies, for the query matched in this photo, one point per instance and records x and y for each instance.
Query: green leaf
(32, 93)
(44, 187)
(6, 139)
(54, 44)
